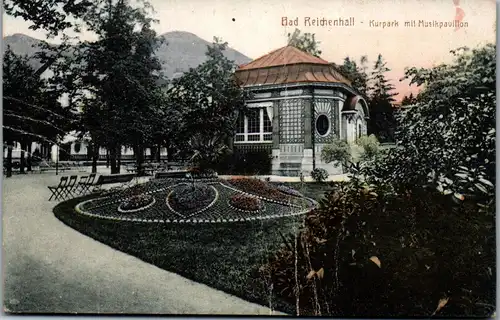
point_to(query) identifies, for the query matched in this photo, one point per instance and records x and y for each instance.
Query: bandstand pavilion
(298, 104)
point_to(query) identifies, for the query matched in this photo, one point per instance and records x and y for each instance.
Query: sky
(255, 27)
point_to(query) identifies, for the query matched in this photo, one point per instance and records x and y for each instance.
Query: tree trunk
(23, 158)
(113, 158)
(139, 157)
(107, 158)
(95, 156)
(119, 157)
(28, 161)
(9, 159)
(158, 154)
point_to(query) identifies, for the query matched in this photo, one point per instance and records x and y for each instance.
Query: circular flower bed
(137, 203)
(246, 203)
(186, 198)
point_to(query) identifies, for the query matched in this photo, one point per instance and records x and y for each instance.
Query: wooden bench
(44, 167)
(171, 174)
(123, 179)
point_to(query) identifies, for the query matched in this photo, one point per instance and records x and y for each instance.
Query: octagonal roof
(288, 65)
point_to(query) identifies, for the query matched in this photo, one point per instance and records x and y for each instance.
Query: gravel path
(49, 267)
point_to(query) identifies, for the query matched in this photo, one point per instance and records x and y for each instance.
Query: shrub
(188, 198)
(245, 202)
(248, 163)
(319, 174)
(366, 254)
(338, 152)
(370, 145)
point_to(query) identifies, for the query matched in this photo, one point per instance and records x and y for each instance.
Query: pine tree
(381, 95)
(356, 73)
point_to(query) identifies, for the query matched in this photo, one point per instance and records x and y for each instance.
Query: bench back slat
(115, 178)
(170, 174)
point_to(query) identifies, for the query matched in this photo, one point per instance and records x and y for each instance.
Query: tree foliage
(382, 122)
(208, 100)
(448, 137)
(50, 15)
(306, 42)
(357, 73)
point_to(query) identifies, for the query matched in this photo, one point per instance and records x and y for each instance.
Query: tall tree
(381, 95)
(357, 73)
(31, 108)
(123, 74)
(306, 42)
(209, 100)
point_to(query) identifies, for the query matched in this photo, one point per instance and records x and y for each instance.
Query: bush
(245, 202)
(319, 174)
(338, 152)
(370, 145)
(248, 163)
(187, 198)
(365, 254)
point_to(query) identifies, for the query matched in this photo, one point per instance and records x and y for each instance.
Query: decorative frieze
(287, 93)
(324, 92)
(262, 95)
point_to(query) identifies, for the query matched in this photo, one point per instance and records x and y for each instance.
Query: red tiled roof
(283, 56)
(288, 65)
(297, 73)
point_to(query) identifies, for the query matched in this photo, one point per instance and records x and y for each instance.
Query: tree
(408, 100)
(447, 139)
(382, 122)
(31, 108)
(356, 73)
(305, 42)
(208, 99)
(122, 73)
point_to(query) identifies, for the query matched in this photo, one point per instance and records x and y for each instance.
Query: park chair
(79, 188)
(87, 184)
(68, 190)
(57, 190)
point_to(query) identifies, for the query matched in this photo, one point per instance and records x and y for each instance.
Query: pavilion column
(308, 156)
(275, 161)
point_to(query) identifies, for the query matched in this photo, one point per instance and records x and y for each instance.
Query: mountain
(180, 51)
(183, 50)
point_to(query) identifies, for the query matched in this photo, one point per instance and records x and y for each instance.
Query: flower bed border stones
(137, 209)
(79, 210)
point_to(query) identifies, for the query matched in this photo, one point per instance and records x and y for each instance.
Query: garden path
(49, 267)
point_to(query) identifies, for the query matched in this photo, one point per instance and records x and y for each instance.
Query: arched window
(360, 130)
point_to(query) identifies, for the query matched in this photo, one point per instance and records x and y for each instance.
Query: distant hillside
(181, 51)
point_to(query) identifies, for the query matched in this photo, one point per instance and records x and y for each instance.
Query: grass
(223, 256)
(313, 190)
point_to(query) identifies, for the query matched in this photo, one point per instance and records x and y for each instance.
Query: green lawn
(312, 190)
(222, 256)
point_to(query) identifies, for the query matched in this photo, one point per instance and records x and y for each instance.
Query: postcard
(272, 158)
